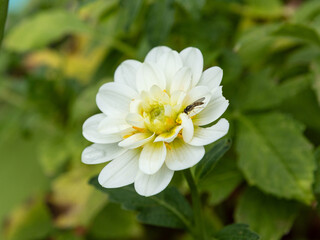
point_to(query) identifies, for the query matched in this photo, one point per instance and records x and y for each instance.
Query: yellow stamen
(169, 121)
(126, 136)
(168, 145)
(138, 129)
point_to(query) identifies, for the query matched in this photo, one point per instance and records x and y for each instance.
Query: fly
(190, 107)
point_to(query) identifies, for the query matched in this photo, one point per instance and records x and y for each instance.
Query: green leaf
(275, 156)
(81, 201)
(53, 153)
(30, 221)
(261, 91)
(263, 9)
(160, 19)
(45, 27)
(167, 209)
(236, 232)
(20, 161)
(231, 64)
(316, 185)
(270, 217)
(306, 11)
(193, 7)
(68, 235)
(3, 17)
(303, 56)
(130, 10)
(316, 79)
(299, 32)
(209, 161)
(310, 115)
(95, 10)
(254, 45)
(116, 223)
(220, 182)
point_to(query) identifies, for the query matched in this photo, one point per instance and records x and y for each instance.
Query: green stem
(200, 230)
(3, 17)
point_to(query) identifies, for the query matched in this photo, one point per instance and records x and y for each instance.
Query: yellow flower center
(159, 117)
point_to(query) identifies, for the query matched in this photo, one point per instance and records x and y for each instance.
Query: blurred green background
(56, 54)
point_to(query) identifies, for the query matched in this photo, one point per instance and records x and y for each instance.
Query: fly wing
(199, 101)
(195, 110)
(196, 107)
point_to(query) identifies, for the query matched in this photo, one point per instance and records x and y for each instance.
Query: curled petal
(204, 136)
(187, 127)
(90, 130)
(211, 112)
(126, 73)
(148, 185)
(197, 93)
(181, 155)
(135, 119)
(136, 140)
(121, 171)
(170, 62)
(169, 136)
(155, 54)
(192, 58)
(114, 98)
(152, 157)
(211, 77)
(149, 75)
(111, 125)
(99, 153)
(182, 80)
(177, 98)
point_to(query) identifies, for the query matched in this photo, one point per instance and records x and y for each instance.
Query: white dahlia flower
(151, 119)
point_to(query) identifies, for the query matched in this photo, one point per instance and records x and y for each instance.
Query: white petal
(211, 77)
(136, 120)
(148, 185)
(204, 136)
(126, 73)
(136, 140)
(152, 157)
(149, 75)
(135, 106)
(169, 136)
(114, 98)
(177, 98)
(181, 155)
(192, 57)
(170, 63)
(99, 153)
(111, 125)
(187, 125)
(121, 171)
(158, 94)
(181, 80)
(196, 93)
(155, 53)
(214, 109)
(91, 132)
(216, 93)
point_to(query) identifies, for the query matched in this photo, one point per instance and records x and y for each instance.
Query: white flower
(151, 119)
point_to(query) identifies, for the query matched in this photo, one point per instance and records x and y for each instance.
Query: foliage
(236, 231)
(56, 54)
(3, 17)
